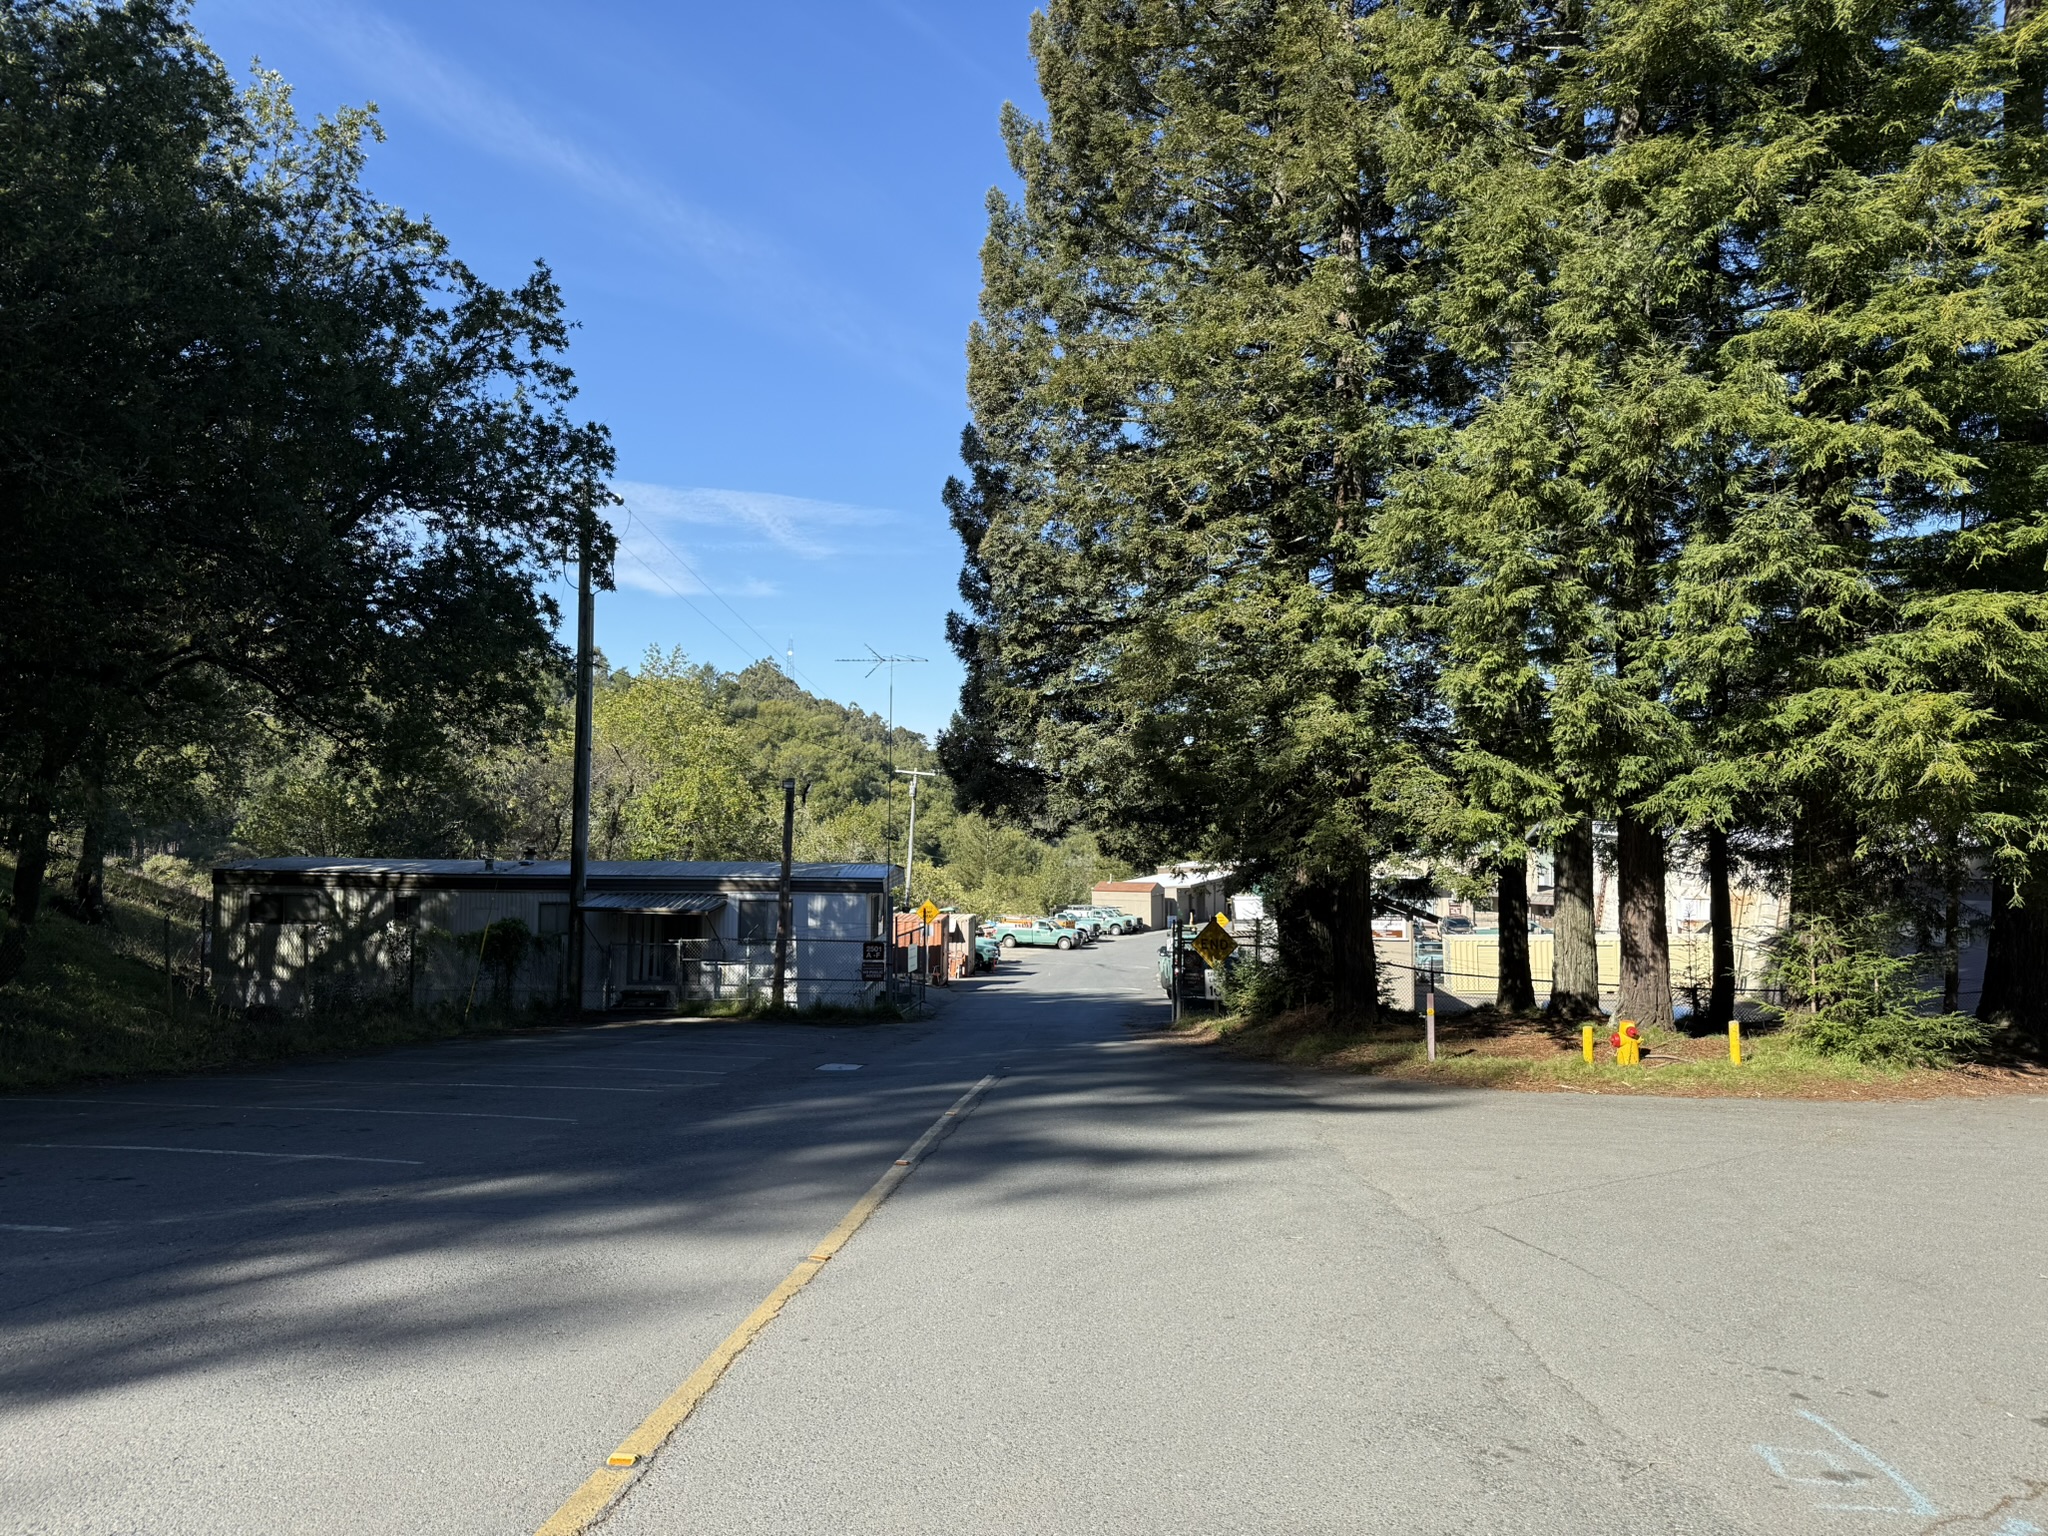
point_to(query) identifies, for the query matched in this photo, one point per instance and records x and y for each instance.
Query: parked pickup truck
(1117, 921)
(1009, 932)
(985, 952)
(1087, 919)
(1083, 929)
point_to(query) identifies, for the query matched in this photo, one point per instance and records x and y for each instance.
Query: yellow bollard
(1735, 1042)
(1586, 1043)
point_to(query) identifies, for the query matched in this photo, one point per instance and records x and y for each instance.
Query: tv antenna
(875, 661)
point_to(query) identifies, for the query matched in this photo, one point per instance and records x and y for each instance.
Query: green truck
(1009, 932)
(1114, 920)
(1091, 922)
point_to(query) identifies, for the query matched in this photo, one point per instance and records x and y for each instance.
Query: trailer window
(274, 907)
(757, 922)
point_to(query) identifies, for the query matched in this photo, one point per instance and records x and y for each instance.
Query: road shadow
(175, 1265)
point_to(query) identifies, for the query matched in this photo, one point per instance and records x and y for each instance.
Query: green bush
(1860, 1002)
(1261, 989)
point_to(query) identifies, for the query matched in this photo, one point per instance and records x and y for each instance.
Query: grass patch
(1490, 1050)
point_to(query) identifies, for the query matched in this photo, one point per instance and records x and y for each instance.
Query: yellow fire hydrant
(1628, 1045)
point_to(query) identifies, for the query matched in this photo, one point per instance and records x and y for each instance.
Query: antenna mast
(875, 661)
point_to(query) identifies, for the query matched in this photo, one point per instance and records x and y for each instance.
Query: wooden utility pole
(784, 904)
(910, 849)
(579, 822)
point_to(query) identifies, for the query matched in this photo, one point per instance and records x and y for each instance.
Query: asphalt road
(1139, 1289)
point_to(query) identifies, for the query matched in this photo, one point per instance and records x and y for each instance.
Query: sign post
(927, 914)
(1429, 1026)
(1173, 967)
(1215, 945)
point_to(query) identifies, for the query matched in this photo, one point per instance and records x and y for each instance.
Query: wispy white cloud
(715, 548)
(792, 525)
(779, 289)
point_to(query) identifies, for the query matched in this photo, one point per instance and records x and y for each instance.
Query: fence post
(170, 980)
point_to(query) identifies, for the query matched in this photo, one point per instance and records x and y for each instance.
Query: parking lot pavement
(1146, 1291)
(1140, 1289)
(394, 1293)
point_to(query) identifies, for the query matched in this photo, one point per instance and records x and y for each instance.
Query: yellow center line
(603, 1489)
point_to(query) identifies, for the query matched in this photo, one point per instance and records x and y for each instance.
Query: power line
(845, 712)
(686, 602)
(891, 661)
(632, 518)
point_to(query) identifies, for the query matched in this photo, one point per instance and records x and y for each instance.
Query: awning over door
(652, 901)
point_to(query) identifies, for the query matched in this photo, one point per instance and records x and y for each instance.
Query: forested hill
(841, 754)
(689, 763)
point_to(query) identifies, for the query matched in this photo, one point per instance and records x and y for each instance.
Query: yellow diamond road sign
(1214, 945)
(927, 914)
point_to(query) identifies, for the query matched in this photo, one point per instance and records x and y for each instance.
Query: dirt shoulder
(1486, 1050)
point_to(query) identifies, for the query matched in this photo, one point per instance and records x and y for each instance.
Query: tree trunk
(1516, 992)
(1645, 947)
(1721, 916)
(31, 860)
(1824, 879)
(1952, 939)
(89, 878)
(1354, 971)
(32, 854)
(1575, 953)
(2015, 963)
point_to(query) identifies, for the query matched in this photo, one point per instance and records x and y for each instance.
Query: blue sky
(767, 220)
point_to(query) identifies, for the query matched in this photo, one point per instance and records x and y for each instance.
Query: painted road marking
(840, 1066)
(1833, 1473)
(22, 1226)
(609, 1483)
(282, 1157)
(316, 1109)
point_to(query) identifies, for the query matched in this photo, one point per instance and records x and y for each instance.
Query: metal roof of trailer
(608, 871)
(654, 901)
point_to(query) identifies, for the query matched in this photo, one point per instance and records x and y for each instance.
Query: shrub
(1864, 1004)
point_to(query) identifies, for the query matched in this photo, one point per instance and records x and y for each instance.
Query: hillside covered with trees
(688, 763)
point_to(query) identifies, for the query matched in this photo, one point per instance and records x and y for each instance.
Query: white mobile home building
(288, 933)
